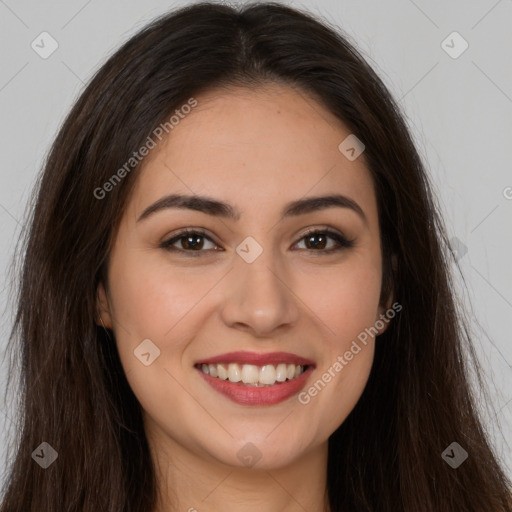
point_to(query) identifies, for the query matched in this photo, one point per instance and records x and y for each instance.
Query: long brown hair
(386, 456)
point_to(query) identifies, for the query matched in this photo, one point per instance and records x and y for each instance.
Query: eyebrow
(217, 208)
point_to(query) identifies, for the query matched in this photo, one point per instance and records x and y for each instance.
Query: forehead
(258, 146)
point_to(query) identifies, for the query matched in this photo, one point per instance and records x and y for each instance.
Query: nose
(259, 297)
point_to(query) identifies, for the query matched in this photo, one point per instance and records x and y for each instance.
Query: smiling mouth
(252, 375)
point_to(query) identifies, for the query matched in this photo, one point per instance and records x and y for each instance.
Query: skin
(257, 150)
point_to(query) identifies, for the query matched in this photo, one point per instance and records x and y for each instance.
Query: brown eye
(193, 241)
(317, 241)
(189, 241)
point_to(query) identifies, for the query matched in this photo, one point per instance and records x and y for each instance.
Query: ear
(104, 318)
(383, 318)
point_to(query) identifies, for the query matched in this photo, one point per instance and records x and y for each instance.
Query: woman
(236, 292)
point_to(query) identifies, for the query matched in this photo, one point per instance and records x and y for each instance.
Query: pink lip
(250, 395)
(257, 359)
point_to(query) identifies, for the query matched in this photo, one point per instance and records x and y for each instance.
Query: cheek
(346, 304)
(152, 301)
(345, 299)
(338, 386)
(151, 297)
(340, 379)
(155, 302)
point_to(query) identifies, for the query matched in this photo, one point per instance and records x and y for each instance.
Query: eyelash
(342, 242)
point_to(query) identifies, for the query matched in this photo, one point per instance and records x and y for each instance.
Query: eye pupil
(312, 237)
(191, 242)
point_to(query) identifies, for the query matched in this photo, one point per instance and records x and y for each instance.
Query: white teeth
(253, 375)
(267, 374)
(222, 373)
(281, 373)
(250, 374)
(234, 373)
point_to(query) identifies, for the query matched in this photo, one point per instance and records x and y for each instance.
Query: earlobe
(386, 311)
(385, 316)
(103, 309)
(382, 321)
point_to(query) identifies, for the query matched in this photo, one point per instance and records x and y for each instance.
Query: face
(272, 289)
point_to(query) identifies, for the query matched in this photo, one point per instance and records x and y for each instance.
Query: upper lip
(258, 359)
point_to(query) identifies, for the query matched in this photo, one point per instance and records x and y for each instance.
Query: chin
(261, 451)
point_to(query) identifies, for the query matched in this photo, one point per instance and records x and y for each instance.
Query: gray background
(459, 111)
